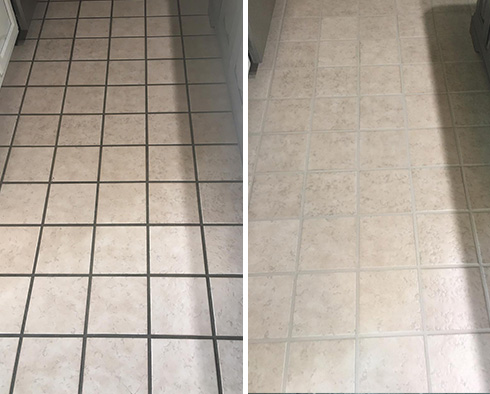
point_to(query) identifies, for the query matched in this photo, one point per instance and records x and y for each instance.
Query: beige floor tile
(12, 304)
(303, 8)
(334, 8)
(446, 239)
(392, 365)
(454, 299)
(120, 250)
(55, 50)
(170, 163)
(221, 202)
(123, 164)
(265, 367)
(11, 100)
(377, 7)
(57, 306)
(76, 164)
(90, 49)
(224, 249)
(96, 9)
(380, 80)
(383, 149)
(177, 250)
(219, 163)
(438, 189)
(180, 306)
(296, 54)
(330, 194)
(173, 203)
(29, 164)
(121, 203)
(340, 28)
(466, 77)
(62, 10)
(336, 81)
(335, 114)
(71, 203)
(379, 112)
(477, 183)
(7, 125)
(459, 362)
(126, 72)
(389, 301)
(201, 47)
(287, 115)
(162, 8)
(192, 25)
(124, 129)
(87, 73)
(50, 364)
(61, 28)
(379, 52)
(328, 244)
(48, 73)
(269, 306)
(377, 27)
(115, 364)
(205, 71)
(387, 241)
(121, 99)
(8, 348)
(231, 364)
(293, 83)
(272, 245)
(16, 74)
(123, 27)
(259, 83)
(167, 98)
(169, 26)
(282, 152)
(323, 366)
(26, 50)
(22, 203)
(18, 249)
(423, 78)
(419, 50)
(318, 298)
(482, 221)
(256, 111)
(84, 100)
(118, 305)
(173, 129)
(433, 147)
(474, 144)
(338, 53)
(228, 305)
(470, 109)
(342, 148)
(385, 191)
(164, 47)
(80, 130)
(190, 7)
(127, 48)
(457, 48)
(300, 29)
(43, 101)
(412, 25)
(209, 98)
(94, 27)
(182, 364)
(428, 111)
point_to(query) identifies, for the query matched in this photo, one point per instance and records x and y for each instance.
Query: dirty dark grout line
(120, 224)
(122, 145)
(117, 85)
(113, 113)
(108, 182)
(112, 60)
(124, 336)
(123, 275)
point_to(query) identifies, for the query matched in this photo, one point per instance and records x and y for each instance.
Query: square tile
(477, 183)
(328, 244)
(412, 25)
(172, 71)
(183, 364)
(419, 50)
(7, 125)
(127, 48)
(173, 203)
(171, 163)
(91, 9)
(336, 81)
(335, 114)
(457, 48)
(195, 47)
(293, 83)
(87, 73)
(428, 111)
(16, 74)
(296, 54)
(164, 47)
(474, 143)
(483, 234)
(118, 305)
(123, 164)
(269, 306)
(219, 163)
(380, 80)
(48, 73)
(346, 7)
(122, 203)
(39, 357)
(81, 100)
(377, 7)
(29, 164)
(468, 76)
(177, 250)
(469, 109)
(454, 299)
(22, 203)
(65, 250)
(385, 191)
(59, 28)
(17, 250)
(170, 98)
(43, 100)
(120, 250)
(91, 49)
(258, 84)
(11, 100)
(318, 298)
(187, 314)
(377, 27)
(94, 28)
(169, 26)
(8, 351)
(342, 148)
(175, 129)
(330, 194)
(125, 99)
(231, 364)
(62, 10)
(279, 152)
(228, 305)
(287, 115)
(71, 203)
(438, 189)
(380, 52)
(266, 364)
(433, 147)
(300, 29)
(224, 249)
(12, 303)
(325, 365)
(392, 365)
(338, 53)
(128, 8)
(115, 365)
(168, 7)
(389, 301)
(57, 306)
(221, 202)
(208, 98)
(383, 149)
(80, 130)
(387, 241)
(122, 27)
(124, 129)
(423, 78)
(193, 25)
(25, 51)
(76, 164)
(303, 8)
(340, 28)
(256, 111)
(378, 112)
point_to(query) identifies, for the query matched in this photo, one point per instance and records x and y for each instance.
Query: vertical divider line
(48, 189)
(94, 225)
(414, 217)
(199, 206)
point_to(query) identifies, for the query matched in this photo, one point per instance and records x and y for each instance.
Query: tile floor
(120, 204)
(369, 200)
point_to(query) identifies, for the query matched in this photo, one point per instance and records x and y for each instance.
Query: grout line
(118, 274)
(125, 336)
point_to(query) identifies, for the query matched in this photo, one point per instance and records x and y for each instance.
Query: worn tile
(173, 203)
(11, 100)
(482, 221)
(380, 80)
(16, 74)
(383, 149)
(8, 351)
(469, 109)
(419, 50)
(293, 83)
(342, 148)
(377, 27)
(423, 78)
(209, 98)
(340, 28)
(219, 163)
(296, 54)
(303, 8)
(300, 29)
(231, 364)
(43, 100)
(474, 144)
(200, 47)
(7, 125)
(114, 200)
(25, 50)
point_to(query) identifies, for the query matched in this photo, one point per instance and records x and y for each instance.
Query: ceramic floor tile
(170, 163)
(7, 125)
(383, 149)
(128, 27)
(423, 78)
(292, 83)
(332, 7)
(483, 234)
(469, 109)
(296, 54)
(126, 72)
(335, 114)
(80, 130)
(201, 47)
(282, 153)
(265, 367)
(76, 164)
(221, 202)
(43, 100)
(71, 203)
(412, 25)
(342, 148)
(219, 163)
(22, 203)
(228, 305)
(167, 98)
(17, 249)
(433, 147)
(173, 203)
(87, 73)
(377, 7)
(90, 49)
(81, 100)
(300, 29)
(224, 249)
(287, 115)
(339, 28)
(474, 143)
(231, 364)
(477, 181)
(123, 164)
(29, 164)
(303, 8)
(8, 348)
(338, 53)
(16, 74)
(125, 99)
(128, 8)
(380, 80)
(169, 26)
(114, 200)
(336, 81)
(172, 71)
(12, 303)
(379, 52)
(124, 129)
(379, 112)
(48, 73)
(95, 9)
(127, 48)
(428, 111)
(377, 27)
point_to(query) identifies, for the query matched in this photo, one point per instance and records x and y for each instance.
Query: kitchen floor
(120, 219)
(369, 239)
